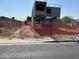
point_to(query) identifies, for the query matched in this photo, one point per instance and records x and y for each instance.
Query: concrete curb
(29, 42)
(59, 41)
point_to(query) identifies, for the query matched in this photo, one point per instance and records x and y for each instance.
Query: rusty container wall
(38, 13)
(56, 12)
(53, 11)
(39, 8)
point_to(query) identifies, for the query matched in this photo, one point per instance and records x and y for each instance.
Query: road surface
(40, 51)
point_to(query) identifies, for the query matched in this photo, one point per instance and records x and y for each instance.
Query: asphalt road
(40, 51)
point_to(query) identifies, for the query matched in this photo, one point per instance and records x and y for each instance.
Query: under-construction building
(45, 22)
(43, 16)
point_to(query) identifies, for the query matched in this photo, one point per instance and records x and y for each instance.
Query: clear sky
(23, 8)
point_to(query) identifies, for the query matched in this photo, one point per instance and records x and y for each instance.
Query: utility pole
(22, 31)
(51, 23)
(51, 28)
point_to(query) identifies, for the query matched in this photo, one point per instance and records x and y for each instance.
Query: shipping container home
(42, 14)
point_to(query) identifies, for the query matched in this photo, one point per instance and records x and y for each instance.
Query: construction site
(44, 22)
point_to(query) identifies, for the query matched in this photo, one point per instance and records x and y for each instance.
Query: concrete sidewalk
(25, 40)
(18, 41)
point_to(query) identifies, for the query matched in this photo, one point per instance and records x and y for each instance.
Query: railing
(54, 5)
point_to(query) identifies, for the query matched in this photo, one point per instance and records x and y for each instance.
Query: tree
(66, 20)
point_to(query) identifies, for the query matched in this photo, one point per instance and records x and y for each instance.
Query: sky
(20, 9)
